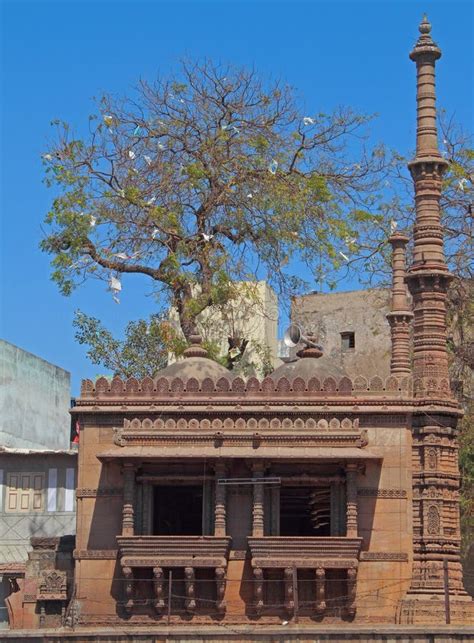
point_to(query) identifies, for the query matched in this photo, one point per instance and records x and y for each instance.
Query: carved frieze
(380, 556)
(373, 492)
(95, 554)
(98, 492)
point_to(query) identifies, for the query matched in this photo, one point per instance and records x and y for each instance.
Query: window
(304, 511)
(178, 511)
(25, 492)
(347, 341)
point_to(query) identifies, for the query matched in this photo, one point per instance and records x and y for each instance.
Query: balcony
(188, 552)
(295, 552)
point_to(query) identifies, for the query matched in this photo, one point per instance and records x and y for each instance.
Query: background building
(37, 463)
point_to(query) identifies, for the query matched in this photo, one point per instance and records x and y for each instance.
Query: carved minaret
(428, 277)
(400, 314)
(436, 572)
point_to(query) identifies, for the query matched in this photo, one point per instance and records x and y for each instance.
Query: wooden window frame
(23, 497)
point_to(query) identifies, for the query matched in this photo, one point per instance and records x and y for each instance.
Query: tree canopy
(206, 178)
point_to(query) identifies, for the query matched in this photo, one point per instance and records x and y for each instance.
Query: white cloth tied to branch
(272, 168)
(115, 286)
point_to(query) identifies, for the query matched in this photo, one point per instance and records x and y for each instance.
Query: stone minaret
(400, 314)
(428, 276)
(436, 571)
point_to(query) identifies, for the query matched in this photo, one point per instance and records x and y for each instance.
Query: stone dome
(197, 367)
(310, 363)
(196, 364)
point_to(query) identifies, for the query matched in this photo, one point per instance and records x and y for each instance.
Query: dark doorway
(304, 512)
(177, 511)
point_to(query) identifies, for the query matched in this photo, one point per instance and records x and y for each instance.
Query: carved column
(400, 316)
(128, 575)
(428, 277)
(351, 591)
(128, 497)
(289, 594)
(220, 501)
(351, 500)
(258, 588)
(220, 587)
(436, 533)
(258, 499)
(158, 582)
(189, 578)
(320, 590)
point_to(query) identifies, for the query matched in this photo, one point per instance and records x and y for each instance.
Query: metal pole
(447, 607)
(170, 580)
(295, 594)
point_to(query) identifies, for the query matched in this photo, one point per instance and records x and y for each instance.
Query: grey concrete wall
(34, 401)
(359, 311)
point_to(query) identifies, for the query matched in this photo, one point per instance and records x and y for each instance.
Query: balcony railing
(188, 552)
(292, 553)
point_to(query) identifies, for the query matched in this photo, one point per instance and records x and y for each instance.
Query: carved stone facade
(205, 498)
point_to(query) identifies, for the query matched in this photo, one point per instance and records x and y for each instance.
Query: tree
(205, 179)
(143, 351)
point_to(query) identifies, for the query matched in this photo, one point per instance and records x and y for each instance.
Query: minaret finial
(425, 26)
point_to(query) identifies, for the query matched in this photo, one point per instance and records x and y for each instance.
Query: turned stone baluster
(220, 502)
(220, 585)
(258, 516)
(320, 590)
(128, 496)
(351, 590)
(158, 582)
(351, 493)
(189, 578)
(128, 575)
(258, 588)
(289, 595)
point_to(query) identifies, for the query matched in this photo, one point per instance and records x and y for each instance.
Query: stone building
(351, 326)
(204, 498)
(37, 464)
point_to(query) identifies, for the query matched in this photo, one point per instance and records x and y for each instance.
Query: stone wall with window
(351, 327)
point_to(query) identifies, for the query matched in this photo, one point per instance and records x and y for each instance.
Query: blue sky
(56, 56)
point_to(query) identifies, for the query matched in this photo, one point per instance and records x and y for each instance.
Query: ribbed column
(435, 469)
(400, 315)
(351, 495)
(128, 518)
(258, 515)
(428, 277)
(220, 512)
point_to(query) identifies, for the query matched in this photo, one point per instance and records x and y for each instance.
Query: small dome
(308, 367)
(197, 367)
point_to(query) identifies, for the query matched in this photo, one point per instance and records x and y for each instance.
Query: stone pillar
(435, 471)
(189, 579)
(428, 277)
(258, 499)
(158, 583)
(128, 498)
(351, 500)
(220, 512)
(399, 316)
(320, 590)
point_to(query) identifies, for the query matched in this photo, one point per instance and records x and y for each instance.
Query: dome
(311, 363)
(196, 364)
(197, 367)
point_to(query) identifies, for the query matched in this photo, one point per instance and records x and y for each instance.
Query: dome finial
(425, 25)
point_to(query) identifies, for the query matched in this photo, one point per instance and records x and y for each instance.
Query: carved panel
(394, 493)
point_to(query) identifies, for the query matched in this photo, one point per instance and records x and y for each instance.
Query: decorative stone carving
(382, 493)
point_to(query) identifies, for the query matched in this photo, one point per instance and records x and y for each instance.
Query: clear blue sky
(57, 55)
